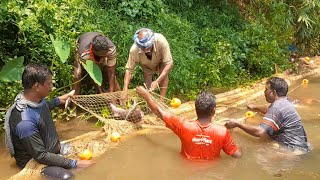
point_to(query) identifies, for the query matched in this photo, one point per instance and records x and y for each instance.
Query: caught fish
(133, 114)
(68, 100)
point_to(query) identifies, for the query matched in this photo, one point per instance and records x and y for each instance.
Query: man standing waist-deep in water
(200, 139)
(281, 121)
(30, 130)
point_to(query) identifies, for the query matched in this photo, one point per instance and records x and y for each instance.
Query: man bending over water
(200, 139)
(281, 122)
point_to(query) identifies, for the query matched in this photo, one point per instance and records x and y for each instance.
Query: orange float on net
(85, 155)
(249, 114)
(175, 102)
(115, 137)
(305, 81)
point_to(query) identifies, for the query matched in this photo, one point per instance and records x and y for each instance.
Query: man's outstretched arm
(151, 102)
(256, 131)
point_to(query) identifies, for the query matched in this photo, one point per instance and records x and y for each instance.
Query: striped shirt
(283, 124)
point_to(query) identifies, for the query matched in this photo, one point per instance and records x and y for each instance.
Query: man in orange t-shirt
(200, 139)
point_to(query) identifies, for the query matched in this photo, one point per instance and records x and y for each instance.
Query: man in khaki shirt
(150, 50)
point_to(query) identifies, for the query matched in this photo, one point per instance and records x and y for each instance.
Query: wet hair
(279, 85)
(100, 43)
(205, 104)
(35, 73)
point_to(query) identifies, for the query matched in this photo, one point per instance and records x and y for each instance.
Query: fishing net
(124, 112)
(125, 117)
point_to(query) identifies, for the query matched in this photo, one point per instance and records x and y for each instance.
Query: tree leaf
(12, 70)
(93, 70)
(61, 47)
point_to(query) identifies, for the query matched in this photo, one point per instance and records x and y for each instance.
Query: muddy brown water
(156, 154)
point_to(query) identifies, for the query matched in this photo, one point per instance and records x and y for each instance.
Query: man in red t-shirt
(200, 139)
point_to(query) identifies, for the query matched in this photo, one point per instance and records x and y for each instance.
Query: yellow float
(175, 102)
(305, 81)
(115, 137)
(249, 114)
(86, 155)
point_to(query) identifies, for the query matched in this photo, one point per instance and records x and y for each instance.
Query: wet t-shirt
(34, 135)
(283, 124)
(201, 141)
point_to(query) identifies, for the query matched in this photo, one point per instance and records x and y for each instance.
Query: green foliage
(2, 114)
(8, 91)
(12, 70)
(140, 8)
(99, 123)
(94, 71)
(61, 47)
(64, 115)
(301, 18)
(144, 10)
(9, 46)
(36, 19)
(214, 43)
(105, 112)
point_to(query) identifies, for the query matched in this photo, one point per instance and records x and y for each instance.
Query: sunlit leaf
(61, 47)
(93, 70)
(105, 112)
(12, 70)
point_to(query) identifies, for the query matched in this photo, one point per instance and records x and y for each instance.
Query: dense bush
(214, 43)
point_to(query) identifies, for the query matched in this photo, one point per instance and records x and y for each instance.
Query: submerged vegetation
(214, 43)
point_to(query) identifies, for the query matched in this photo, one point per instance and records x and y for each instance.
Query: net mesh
(99, 105)
(125, 117)
(119, 115)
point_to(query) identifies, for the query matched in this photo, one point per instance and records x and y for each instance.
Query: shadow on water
(156, 154)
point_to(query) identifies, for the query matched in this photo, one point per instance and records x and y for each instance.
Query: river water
(156, 154)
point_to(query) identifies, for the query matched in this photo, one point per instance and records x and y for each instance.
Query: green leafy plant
(94, 71)
(99, 124)
(61, 47)
(12, 70)
(105, 112)
(64, 114)
(214, 44)
(2, 114)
